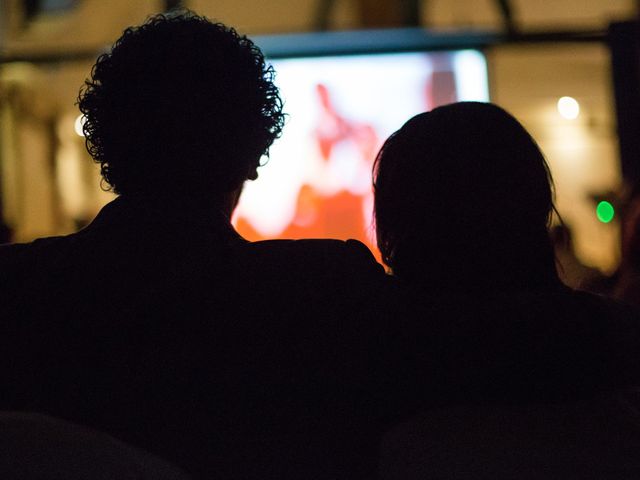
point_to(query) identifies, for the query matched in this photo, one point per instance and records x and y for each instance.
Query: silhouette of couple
(160, 325)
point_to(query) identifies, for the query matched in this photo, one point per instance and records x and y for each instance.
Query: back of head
(463, 200)
(180, 105)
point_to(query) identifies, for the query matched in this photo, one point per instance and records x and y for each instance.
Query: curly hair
(180, 104)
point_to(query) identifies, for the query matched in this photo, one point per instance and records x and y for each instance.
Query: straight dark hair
(463, 200)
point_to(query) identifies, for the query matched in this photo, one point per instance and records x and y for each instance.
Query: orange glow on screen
(317, 181)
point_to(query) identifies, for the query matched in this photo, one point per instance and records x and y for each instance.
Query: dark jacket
(531, 385)
(231, 358)
(516, 345)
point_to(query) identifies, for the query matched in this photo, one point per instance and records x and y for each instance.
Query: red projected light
(317, 182)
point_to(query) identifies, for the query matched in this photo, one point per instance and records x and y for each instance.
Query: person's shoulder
(614, 330)
(334, 255)
(312, 244)
(15, 255)
(21, 255)
(600, 307)
(333, 275)
(24, 269)
(11, 252)
(12, 265)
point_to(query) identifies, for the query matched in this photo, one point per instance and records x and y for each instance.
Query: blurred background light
(79, 123)
(605, 211)
(569, 108)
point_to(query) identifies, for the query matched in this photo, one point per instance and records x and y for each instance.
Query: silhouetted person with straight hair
(463, 202)
(531, 370)
(158, 323)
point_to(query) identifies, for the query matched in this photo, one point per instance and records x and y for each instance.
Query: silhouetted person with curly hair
(158, 323)
(181, 111)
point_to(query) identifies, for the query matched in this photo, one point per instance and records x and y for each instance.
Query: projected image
(317, 181)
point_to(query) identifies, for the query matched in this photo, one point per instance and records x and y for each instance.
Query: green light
(605, 212)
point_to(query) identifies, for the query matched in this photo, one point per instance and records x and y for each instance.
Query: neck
(187, 207)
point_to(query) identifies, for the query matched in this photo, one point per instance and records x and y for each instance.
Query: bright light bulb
(79, 123)
(569, 108)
